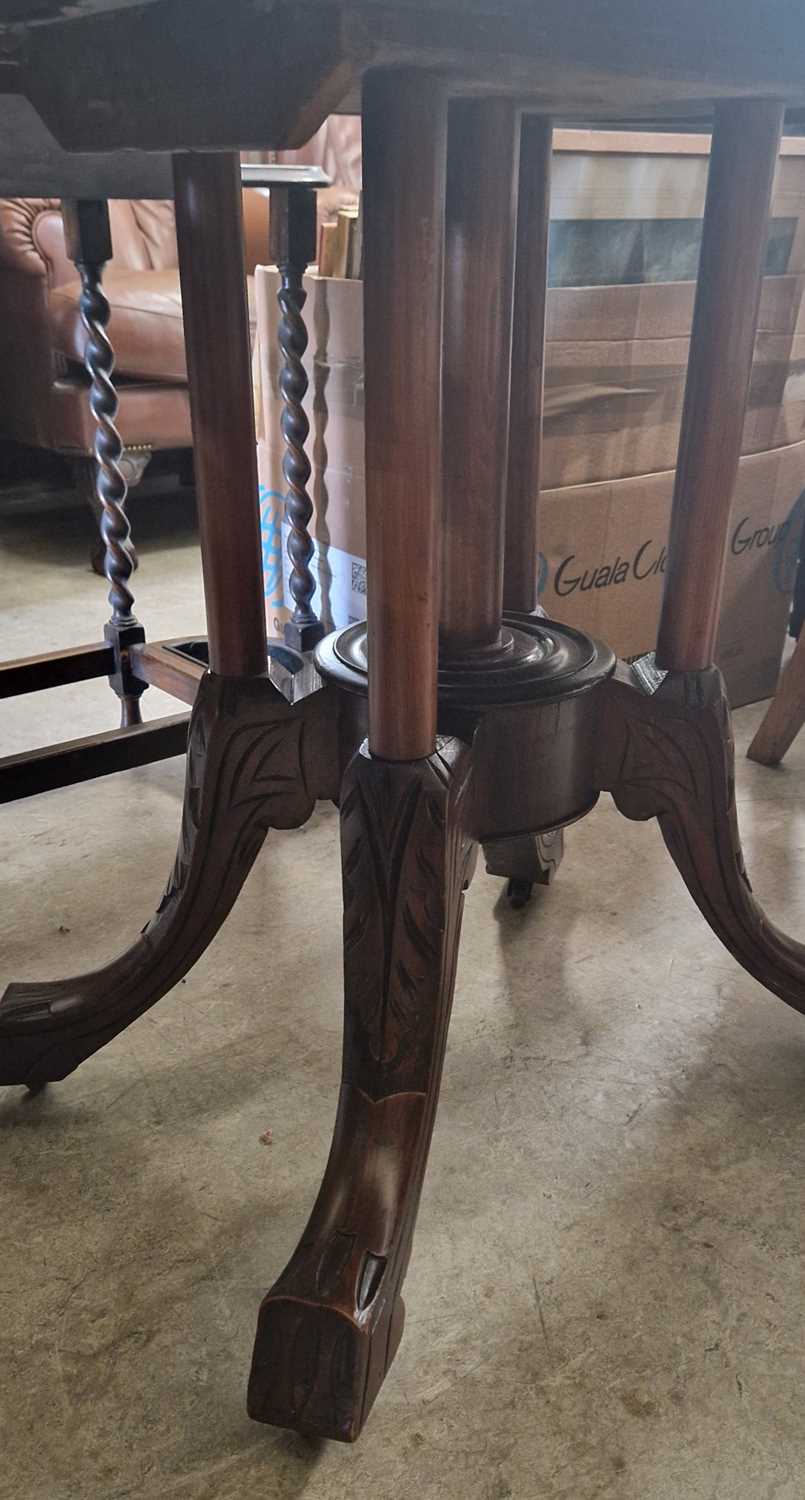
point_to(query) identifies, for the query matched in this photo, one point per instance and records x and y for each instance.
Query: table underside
(164, 75)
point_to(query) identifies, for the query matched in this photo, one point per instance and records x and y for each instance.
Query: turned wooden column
(404, 134)
(216, 329)
(528, 364)
(482, 159)
(746, 139)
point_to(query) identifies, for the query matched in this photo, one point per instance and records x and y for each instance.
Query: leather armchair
(43, 388)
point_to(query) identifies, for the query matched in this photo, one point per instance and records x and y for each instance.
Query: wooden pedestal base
(659, 742)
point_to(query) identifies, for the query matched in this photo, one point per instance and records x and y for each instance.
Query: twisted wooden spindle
(292, 236)
(120, 560)
(89, 245)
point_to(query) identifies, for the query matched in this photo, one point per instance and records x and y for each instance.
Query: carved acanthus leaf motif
(330, 1325)
(669, 755)
(396, 849)
(659, 757)
(244, 775)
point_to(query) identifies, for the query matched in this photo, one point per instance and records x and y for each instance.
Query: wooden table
(457, 715)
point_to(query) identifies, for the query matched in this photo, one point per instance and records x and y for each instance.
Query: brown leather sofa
(43, 388)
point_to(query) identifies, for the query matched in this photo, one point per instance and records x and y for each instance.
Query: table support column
(528, 364)
(531, 858)
(664, 740)
(746, 141)
(216, 329)
(482, 161)
(405, 135)
(330, 1325)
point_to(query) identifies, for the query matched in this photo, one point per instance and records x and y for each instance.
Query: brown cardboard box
(616, 359)
(603, 555)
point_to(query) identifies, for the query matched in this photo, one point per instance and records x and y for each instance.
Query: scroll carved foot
(669, 754)
(330, 1326)
(251, 766)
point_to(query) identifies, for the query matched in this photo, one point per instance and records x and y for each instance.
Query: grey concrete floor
(606, 1292)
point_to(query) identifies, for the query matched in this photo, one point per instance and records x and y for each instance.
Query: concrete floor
(606, 1292)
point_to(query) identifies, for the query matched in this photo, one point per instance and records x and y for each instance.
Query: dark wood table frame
(516, 725)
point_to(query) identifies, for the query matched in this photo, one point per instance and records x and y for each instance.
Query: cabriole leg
(254, 762)
(669, 755)
(665, 744)
(331, 1324)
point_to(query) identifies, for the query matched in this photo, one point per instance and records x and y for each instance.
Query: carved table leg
(89, 245)
(247, 753)
(330, 1326)
(665, 740)
(253, 763)
(668, 754)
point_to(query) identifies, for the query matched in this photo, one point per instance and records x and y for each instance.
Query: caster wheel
(518, 893)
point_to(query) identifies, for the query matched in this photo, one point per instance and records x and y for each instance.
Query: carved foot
(250, 767)
(668, 754)
(526, 860)
(329, 1328)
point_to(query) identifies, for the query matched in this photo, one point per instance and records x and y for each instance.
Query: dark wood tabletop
(162, 75)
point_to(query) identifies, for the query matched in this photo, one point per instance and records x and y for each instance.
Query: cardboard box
(615, 366)
(603, 557)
